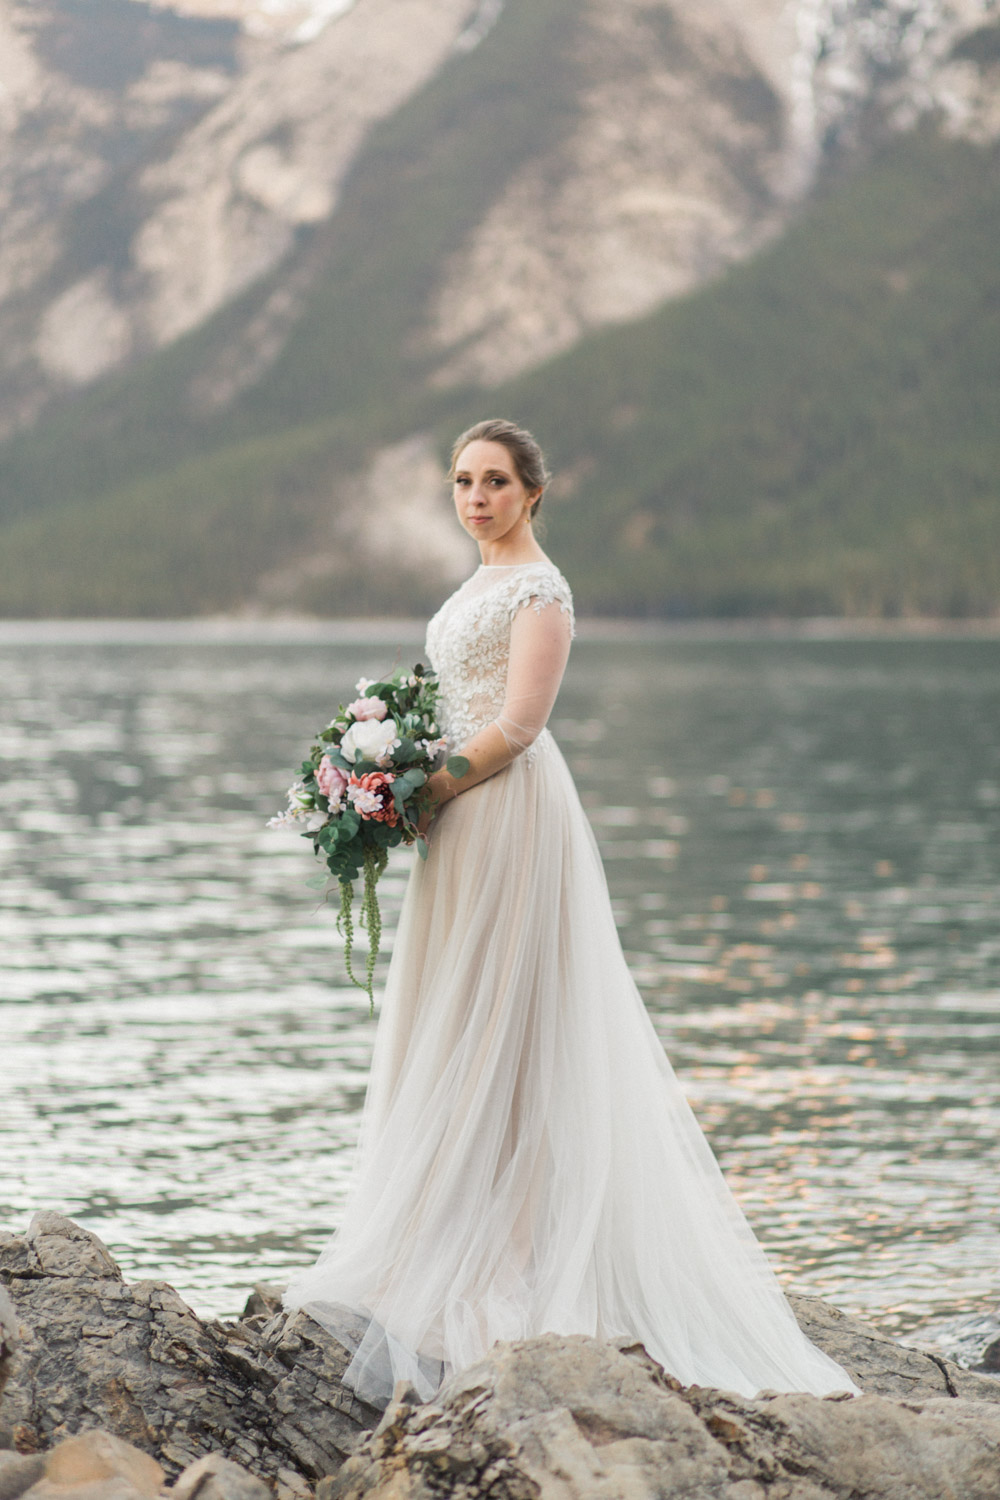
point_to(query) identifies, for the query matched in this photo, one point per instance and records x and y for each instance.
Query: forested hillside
(819, 433)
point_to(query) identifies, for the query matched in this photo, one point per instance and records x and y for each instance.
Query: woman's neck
(501, 553)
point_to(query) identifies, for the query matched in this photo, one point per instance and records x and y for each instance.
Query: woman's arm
(539, 649)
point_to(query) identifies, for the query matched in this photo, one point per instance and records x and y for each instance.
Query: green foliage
(173, 542)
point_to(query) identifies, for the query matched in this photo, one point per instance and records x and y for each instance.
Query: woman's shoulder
(537, 583)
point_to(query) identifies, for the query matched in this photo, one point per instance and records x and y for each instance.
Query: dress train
(528, 1162)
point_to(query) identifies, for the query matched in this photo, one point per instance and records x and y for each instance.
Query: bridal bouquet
(361, 792)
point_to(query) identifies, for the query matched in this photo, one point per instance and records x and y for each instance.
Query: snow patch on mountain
(897, 54)
(292, 21)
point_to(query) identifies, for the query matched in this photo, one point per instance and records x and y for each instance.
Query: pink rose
(372, 796)
(367, 708)
(331, 780)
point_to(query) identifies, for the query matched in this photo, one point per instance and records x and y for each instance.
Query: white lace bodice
(469, 642)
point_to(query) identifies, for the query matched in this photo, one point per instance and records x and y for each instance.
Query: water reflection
(800, 840)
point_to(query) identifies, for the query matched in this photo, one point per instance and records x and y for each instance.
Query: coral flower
(372, 796)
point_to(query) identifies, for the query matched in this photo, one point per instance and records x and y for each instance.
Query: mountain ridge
(335, 373)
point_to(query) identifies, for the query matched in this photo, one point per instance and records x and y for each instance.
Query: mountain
(735, 265)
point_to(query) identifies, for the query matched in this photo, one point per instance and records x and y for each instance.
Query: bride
(528, 1163)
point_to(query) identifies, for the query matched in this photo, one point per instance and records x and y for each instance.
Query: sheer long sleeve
(539, 648)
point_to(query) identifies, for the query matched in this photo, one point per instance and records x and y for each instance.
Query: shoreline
(258, 1409)
(308, 630)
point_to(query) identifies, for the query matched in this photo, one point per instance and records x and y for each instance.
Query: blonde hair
(529, 460)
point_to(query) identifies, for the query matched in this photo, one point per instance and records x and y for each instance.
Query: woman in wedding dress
(528, 1163)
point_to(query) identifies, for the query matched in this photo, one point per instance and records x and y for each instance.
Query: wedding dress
(527, 1161)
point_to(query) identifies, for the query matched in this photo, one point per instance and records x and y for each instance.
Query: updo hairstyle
(529, 460)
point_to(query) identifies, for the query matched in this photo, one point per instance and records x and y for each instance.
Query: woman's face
(490, 499)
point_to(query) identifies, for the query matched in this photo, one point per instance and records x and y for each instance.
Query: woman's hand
(439, 789)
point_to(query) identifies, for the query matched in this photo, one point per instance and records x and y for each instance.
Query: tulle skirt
(528, 1162)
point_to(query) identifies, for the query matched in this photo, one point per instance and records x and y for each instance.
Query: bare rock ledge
(111, 1390)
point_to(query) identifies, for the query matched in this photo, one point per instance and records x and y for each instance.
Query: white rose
(370, 739)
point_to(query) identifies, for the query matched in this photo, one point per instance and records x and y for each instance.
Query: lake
(801, 840)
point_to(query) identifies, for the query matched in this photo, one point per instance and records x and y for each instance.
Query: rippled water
(801, 843)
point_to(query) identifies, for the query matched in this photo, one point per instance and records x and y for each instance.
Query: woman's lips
(480, 520)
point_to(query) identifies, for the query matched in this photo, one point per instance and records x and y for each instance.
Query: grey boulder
(226, 1410)
(264, 1392)
(573, 1419)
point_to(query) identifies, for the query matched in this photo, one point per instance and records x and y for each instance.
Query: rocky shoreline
(118, 1391)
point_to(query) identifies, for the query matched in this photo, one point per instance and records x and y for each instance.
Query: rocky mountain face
(230, 218)
(156, 161)
(702, 126)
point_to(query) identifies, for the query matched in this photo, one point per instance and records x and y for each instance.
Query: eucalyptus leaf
(317, 882)
(422, 848)
(457, 766)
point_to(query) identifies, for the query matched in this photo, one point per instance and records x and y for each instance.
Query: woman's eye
(498, 481)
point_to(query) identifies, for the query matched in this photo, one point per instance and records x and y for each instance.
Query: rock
(216, 1478)
(263, 1301)
(572, 1417)
(96, 1465)
(8, 1337)
(228, 1406)
(265, 1393)
(8, 1347)
(879, 1365)
(18, 1472)
(100, 1455)
(990, 1360)
(55, 1246)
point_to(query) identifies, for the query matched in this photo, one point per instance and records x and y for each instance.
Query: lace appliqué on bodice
(468, 641)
